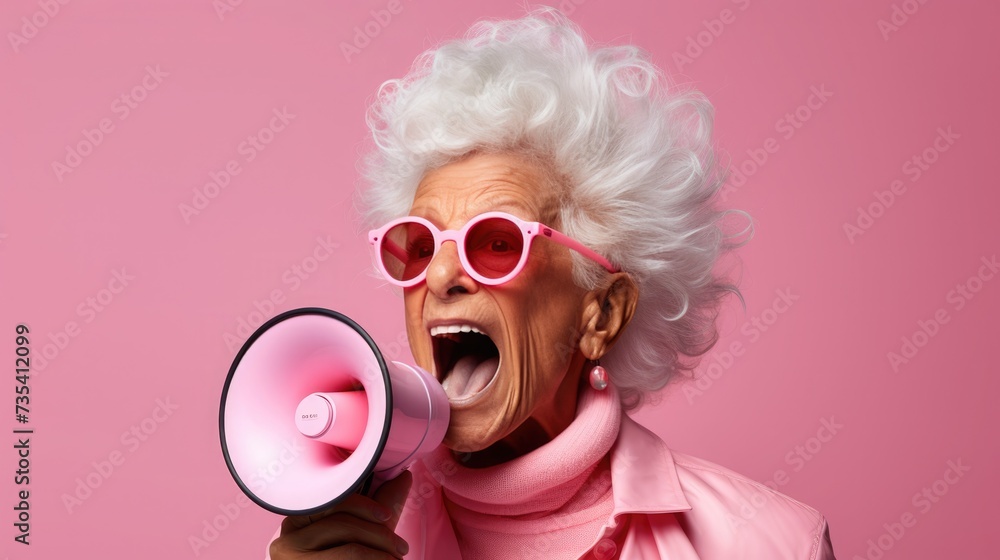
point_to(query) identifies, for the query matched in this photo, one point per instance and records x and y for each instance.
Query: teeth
(451, 329)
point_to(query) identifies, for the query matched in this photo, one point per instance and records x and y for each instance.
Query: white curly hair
(632, 150)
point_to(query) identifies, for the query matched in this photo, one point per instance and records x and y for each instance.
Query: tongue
(469, 376)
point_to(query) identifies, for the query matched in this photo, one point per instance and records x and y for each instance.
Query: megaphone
(311, 412)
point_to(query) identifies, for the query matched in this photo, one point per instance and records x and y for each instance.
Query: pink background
(162, 336)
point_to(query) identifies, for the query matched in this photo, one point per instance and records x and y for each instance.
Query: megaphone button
(337, 419)
(313, 415)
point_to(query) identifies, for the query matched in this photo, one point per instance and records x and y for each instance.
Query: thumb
(393, 494)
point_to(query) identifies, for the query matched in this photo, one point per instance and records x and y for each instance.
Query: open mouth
(466, 361)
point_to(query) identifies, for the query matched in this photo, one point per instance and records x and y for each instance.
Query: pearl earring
(598, 377)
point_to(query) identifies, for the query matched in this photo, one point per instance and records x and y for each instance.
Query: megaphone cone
(311, 412)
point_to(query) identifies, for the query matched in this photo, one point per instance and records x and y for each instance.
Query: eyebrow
(510, 206)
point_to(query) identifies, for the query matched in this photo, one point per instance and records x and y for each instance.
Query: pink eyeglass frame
(529, 230)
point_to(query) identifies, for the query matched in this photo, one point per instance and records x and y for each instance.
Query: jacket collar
(643, 473)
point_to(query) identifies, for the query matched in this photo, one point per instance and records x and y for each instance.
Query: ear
(607, 310)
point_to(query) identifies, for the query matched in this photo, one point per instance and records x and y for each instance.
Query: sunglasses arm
(575, 245)
(389, 245)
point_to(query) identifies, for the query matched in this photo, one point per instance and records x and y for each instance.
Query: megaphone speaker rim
(385, 428)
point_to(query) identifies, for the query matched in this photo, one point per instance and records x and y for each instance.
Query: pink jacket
(666, 505)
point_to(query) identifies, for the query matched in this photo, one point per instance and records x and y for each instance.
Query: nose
(445, 275)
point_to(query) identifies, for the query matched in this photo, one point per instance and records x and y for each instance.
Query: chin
(462, 446)
(468, 436)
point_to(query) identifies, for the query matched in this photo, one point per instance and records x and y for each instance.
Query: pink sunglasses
(492, 247)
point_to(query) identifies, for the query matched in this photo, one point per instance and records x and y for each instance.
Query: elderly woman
(547, 210)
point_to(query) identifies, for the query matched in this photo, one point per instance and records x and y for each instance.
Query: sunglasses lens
(494, 247)
(406, 250)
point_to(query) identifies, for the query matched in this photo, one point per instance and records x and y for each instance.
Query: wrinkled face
(515, 343)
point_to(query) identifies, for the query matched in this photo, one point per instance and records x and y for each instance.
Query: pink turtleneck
(553, 500)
